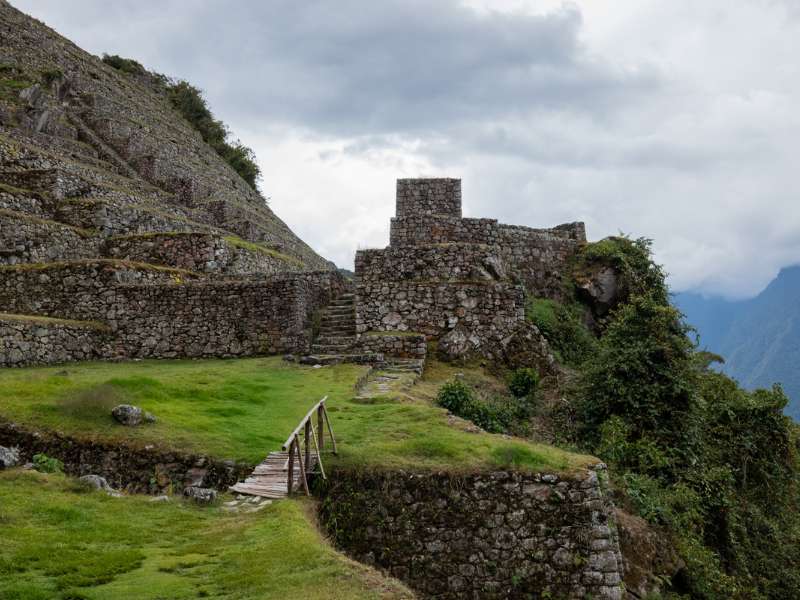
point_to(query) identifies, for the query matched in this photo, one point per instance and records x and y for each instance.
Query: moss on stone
(40, 320)
(127, 264)
(11, 214)
(238, 242)
(15, 191)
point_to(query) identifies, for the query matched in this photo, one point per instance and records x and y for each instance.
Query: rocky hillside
(85, 147)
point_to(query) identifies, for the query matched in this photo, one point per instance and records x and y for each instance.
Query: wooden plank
(330, 429)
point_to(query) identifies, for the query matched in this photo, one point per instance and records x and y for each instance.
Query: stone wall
(429, 196)
(148, 470)
(25, 239)
(201, 252)
(433, 262)
(210, 319)
(502, 535)
(537, 257)
(489, 310)
(165, 313)
(408, 345)
(82, 290)
(40, 341)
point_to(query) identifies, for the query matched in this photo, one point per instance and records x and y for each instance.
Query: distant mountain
(759, 338)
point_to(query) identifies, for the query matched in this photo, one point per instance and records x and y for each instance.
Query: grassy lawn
(62, 543)
(244, 408)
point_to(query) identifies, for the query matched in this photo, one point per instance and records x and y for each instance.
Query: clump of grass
(238, 242)
(92, 403)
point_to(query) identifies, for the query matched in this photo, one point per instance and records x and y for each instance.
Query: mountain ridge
(759, 338)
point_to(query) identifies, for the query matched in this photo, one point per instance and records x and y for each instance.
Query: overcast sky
(678, 121)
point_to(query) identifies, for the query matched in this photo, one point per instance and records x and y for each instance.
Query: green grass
(61, 543)
(244, 408)
(238, 242)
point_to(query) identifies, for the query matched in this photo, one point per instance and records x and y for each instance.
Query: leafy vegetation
(714, 464)
(189, 101)
(63, 542)
(46, 464)
(497, 414)
(522, 382)
(242, 409)
(563, 326)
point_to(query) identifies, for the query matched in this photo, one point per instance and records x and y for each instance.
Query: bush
(497, 415)
(126, 65)
(45, 464)
(563, 327)
(523, 382)
(189, 101)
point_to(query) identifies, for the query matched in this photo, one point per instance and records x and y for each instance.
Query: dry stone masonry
(503, 535)
(122, 233)
(457, 279)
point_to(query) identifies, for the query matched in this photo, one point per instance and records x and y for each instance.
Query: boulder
(96, 482)
(200, 495)
(131, 416)
(9, 457)
(527, 347)
(458, 344)
(600, 289)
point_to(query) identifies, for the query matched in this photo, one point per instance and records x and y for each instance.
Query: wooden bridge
(284, 472)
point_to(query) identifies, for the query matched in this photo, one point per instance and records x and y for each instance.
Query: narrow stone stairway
(337, 332)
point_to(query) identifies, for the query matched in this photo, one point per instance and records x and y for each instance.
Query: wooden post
(291, 468)
(307, 440)
(303, 471)
(320, 428)
(330, 429)
(319, 454)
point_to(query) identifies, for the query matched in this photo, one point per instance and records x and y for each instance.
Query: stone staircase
(337, 332)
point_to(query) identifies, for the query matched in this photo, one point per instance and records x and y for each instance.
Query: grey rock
(9, 457)
(96, 482)
(131, 416)
(200, 495)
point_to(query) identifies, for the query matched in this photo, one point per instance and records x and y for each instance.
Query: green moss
(129, 264)
(15, 191)
(238, 242)
(11, 214)
(39, 320)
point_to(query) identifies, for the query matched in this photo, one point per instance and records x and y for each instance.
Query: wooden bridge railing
(299, 444)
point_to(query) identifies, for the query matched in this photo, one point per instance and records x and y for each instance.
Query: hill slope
(759, 338)
(63, 108)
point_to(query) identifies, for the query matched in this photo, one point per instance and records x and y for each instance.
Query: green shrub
(46, 464)
(126, 65)
(189, 101)
(495, 415)
(563, 327)
(522, 382)
(455, 396)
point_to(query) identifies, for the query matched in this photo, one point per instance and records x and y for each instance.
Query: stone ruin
(124, 235)
(462, 281)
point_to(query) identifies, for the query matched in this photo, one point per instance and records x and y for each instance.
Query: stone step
(343, 357)
(335, 339)
(330, 348)
(342, 332)
(337, 318)
(344, 328)
(340, 310)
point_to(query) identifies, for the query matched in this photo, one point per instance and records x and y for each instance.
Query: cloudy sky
(678, 121)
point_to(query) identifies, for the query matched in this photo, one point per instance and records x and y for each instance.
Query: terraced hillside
(115, 212)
